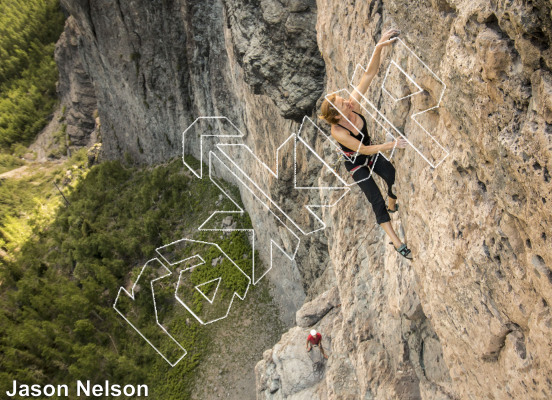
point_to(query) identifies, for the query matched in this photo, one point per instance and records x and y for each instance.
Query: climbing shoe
(404, 251)
(395, 210)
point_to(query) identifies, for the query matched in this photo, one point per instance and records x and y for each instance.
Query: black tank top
(364, 139)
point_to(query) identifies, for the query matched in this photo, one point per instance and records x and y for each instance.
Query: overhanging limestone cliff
(479, 224)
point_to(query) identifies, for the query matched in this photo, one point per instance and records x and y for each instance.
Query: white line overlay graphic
(230, 156)
(412, 62)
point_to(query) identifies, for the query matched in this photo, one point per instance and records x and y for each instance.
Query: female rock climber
(346, 121)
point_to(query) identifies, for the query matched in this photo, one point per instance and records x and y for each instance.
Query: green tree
(28, 32)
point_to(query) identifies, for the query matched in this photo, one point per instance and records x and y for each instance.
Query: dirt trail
(14, 173)
(31, 169)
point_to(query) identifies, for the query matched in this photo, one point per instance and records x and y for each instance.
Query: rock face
(78, 97)
(470, 316)
(275, 45)
(74, 124)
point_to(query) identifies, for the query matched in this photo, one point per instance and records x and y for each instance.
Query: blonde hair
(328, 112)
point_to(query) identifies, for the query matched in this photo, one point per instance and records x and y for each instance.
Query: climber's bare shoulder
(342, 136)
(338, 132)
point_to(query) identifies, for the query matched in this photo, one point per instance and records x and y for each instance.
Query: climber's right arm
(386, 39)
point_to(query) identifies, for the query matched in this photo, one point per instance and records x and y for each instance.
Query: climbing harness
(368, 163)
(346, 155)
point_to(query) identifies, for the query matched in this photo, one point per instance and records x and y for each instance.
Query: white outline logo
(228, 132)
(189, 269)
(428, 73)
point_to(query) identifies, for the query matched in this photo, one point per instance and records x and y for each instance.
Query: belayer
(349, 129)
(315, 340)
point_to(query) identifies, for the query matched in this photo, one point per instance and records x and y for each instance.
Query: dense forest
(57, 322)
(28, 73)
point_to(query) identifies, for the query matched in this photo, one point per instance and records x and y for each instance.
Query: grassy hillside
(30, 199)
(57, 323)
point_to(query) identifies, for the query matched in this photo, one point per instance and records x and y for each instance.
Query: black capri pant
(383, 168)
